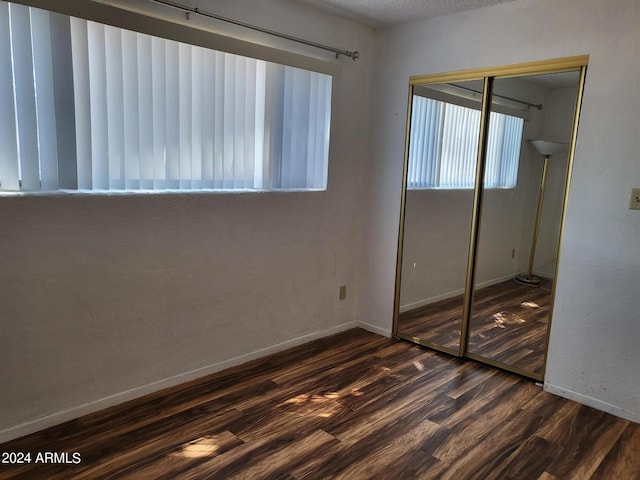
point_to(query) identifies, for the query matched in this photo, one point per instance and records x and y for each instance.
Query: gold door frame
(487, 75)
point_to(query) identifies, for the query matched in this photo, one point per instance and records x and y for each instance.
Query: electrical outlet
(634, 203)
(343, 292)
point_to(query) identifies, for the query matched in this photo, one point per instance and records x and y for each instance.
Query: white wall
(558, 121)
(105, 298)
(593, 354)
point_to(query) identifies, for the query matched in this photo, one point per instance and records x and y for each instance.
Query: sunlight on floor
(530, 304)
(203, 447)
(501, 320)
(321, 405)
(315, 398)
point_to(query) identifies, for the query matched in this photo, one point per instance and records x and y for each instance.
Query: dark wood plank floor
(351, 406)
(508, 324)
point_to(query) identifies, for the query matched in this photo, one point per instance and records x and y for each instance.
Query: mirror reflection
(520, 223)
(442, 156)
(511, 262)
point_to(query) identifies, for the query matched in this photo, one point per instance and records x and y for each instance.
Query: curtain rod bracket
(355, 55)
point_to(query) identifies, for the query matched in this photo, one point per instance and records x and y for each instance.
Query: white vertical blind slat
(9, 171)
(159, 109)
(302, 126)
(82, 102)
(271, 72)
(421, 136)
(317, 121)
(287, 126)
(415, 141)
(250, 113)
(208, 118)
(185, 99)
(25, 97)
(63, 87)
(276, 120)
(131, 110)
(324, 132)
(512, 145)
(425, 168)
(145, 110)
(238, 124)
(172, 118)
(45, 104)
(447, 144)
(319, 117)
(435, 119)
(115, 107)
(219, 120)
(98, 99)
(259, 126)
(229, 122)
(197, 92)
(311, 137)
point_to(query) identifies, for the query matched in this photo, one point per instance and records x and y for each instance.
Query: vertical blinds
(93, 107)
(443, 145)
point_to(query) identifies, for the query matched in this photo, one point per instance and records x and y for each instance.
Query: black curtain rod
(355, 55)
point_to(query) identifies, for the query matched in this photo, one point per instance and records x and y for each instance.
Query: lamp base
(528, 279)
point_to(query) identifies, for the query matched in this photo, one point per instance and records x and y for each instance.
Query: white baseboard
(137, 392)
(375, 329)
(427, 301)
(593, 402)
(454, 293)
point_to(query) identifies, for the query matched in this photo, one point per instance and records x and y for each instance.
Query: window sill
(142, 193)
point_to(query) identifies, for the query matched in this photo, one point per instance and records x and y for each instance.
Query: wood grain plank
(547, 476)
(486, 457)
(184, 457)
(580, 456)
(354, 405)
(529, 460)
(623, 460)
(468, 433)
(508, 324)
(384, 457)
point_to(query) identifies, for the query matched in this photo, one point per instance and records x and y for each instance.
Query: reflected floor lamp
(546, 149)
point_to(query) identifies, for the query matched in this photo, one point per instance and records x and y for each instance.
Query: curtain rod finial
(355, 55)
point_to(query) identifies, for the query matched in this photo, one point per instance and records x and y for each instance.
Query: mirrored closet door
(488, 159)
(443, 144)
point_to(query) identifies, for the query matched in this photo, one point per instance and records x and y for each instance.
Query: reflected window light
(530, 304)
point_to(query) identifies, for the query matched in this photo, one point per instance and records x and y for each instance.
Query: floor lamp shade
(547, 148)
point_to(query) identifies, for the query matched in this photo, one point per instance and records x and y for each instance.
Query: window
(443, 144)
(86, 106)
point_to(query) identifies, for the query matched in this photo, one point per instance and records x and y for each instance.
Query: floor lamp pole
(529, 277)
(546, 149)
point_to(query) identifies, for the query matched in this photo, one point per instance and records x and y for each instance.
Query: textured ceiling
(380, 13)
